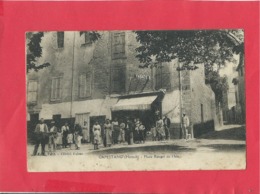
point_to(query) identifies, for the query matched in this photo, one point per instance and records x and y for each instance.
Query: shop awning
(137, 103)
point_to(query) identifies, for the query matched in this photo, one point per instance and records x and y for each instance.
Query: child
(70, 138)
(154, 133)
(96, 138)
(59, 139)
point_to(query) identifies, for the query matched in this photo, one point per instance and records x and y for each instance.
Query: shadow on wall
(237, 133)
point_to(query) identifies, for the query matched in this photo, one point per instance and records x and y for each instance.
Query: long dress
(97, 137)
(59, 138)
(108, 133)
(121, 137)
(85, 133)
(96, 127)
(160, 129)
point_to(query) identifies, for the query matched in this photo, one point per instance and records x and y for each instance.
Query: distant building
(93, 81)
(239, 83)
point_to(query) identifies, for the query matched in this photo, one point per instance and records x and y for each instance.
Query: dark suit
(167, 124)
(41, 137)
(129, 131)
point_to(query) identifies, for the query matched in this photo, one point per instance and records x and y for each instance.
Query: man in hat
(52, 136)
(65, 130)
(41, 135)
(167, 124)
(185, 125)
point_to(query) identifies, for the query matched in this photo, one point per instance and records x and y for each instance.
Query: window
(85, 85)
(87, 39)
(60, 39)
(56, 88)
(162, 80)
(118, 45)
(32, 91)
(118, 80)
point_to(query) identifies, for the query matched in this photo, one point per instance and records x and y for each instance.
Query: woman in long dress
(121, 137)
(59, 139)
(160, 129)
(85, 132)
(108, 132)
(97, 134)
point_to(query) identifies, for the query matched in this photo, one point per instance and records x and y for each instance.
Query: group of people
(56, 138)
(160, 131)
(128, 131)
(118, 132)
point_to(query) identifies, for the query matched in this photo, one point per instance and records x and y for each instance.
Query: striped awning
(137, 103)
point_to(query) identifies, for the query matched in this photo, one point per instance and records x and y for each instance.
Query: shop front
(145, 106)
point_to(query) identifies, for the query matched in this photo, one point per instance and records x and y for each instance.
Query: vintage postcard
(135, 100)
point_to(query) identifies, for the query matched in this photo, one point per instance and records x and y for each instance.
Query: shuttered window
(60, 39)
(118, 45)
(32, 91)
(56, 88)
(118, 80)
(85, 85)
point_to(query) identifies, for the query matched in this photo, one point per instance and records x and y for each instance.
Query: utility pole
(72, 74)
(180, 88)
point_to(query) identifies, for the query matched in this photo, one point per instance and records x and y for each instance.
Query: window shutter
(32, 91)
(118, 45)
(60, 39)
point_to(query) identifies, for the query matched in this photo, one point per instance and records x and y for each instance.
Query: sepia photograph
(145, 100)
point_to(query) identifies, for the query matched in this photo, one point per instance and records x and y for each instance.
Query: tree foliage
(34, 51)
(213, 48)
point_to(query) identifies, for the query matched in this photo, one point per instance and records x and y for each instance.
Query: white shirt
(65, 128)
(42, 127)
(52, 129)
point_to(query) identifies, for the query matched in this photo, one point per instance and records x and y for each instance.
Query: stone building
(93, 81)
(239, 83)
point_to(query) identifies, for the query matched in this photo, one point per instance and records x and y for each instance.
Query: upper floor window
(56, 88)
(118, 45)
(32, 91)
(118, 80)
(162, 79)
(87, 38)
(85, 85)
(60, 39)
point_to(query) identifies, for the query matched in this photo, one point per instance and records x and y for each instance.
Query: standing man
(115, 131)
(128, 129)
(65, 131)
(185, 125)
(167, 124)
(41, 136)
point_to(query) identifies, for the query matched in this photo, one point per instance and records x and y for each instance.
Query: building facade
(89, 81)
(239, 110)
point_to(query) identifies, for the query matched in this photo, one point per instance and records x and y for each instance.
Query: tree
(34, 49)
(213, 48)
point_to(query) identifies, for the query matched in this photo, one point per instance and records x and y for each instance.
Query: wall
(96, 60)
(198, 100)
